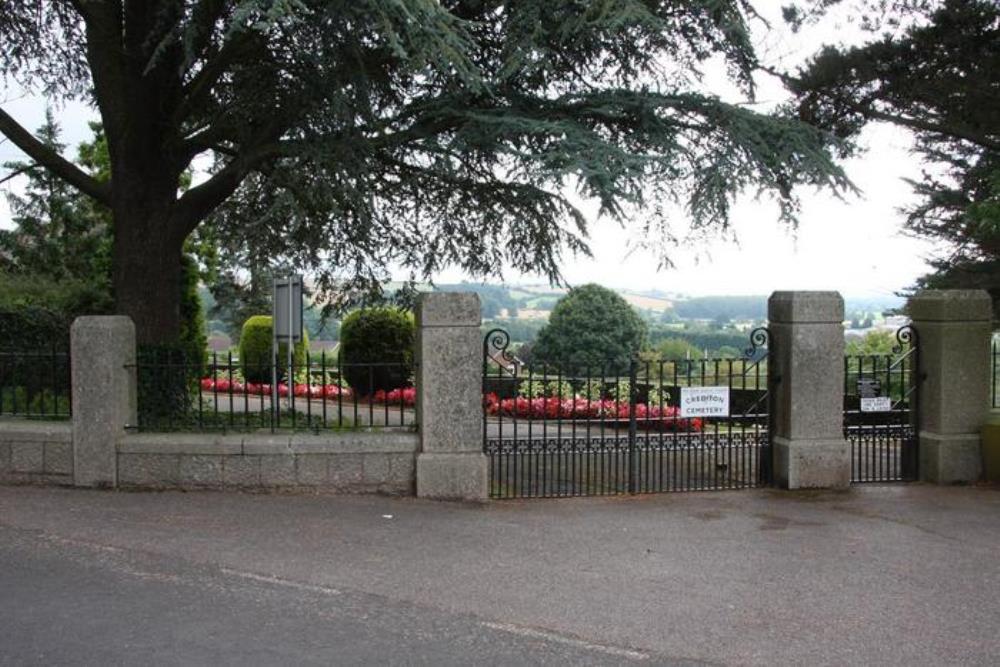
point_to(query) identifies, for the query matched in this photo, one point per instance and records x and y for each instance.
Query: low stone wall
(36, 452)
(367, 462)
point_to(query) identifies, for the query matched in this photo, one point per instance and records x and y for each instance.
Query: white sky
(855, 245)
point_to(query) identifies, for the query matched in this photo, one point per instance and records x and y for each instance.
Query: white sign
(876, 404)
(704, 401)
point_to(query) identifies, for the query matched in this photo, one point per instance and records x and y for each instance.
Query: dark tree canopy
(348, 136)
(938, 75)
(591, 328)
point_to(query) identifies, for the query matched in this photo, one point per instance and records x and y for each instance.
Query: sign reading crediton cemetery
(704, 401)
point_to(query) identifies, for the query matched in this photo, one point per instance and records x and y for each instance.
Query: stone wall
(382, 462)
(36, 452)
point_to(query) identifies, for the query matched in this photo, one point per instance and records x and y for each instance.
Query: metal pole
(291, 340)
(633, 377)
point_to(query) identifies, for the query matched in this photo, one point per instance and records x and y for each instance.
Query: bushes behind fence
(383, 336)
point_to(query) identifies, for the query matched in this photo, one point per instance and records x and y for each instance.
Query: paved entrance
(887, 575)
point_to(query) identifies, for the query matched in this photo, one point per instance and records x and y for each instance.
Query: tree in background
(57, 235)
(937, 73)
(58, 255)
(878, 342)
(591, 327)
(677, 348)
(414, 133)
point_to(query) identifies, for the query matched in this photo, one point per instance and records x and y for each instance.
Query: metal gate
(616, 426)
(881, 397)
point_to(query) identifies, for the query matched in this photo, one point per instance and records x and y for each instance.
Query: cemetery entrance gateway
(881, 398)
(586, 428)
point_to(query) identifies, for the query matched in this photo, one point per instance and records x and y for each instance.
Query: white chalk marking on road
(278, 581)
(535, 633)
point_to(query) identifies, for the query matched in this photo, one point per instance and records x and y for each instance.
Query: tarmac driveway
(876, 575)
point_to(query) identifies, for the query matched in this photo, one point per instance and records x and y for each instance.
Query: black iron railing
(35, 384)
(314, 393)
(881, 398)
(615, 427)
(995, 385)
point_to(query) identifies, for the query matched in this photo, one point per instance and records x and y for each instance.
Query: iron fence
(315, 393)
(617, 427)
(35, 384)
(881, 397)
(996, 378)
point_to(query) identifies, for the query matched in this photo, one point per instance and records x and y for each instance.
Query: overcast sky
(854, 245)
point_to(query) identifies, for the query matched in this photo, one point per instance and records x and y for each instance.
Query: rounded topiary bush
(377, 336)
(255, 351)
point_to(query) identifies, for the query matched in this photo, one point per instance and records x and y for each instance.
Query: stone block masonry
(36, 453)
(342, 463)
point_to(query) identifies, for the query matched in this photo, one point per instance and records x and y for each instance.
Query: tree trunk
(146, 277)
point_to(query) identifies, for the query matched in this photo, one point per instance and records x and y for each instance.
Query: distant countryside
(677, 324)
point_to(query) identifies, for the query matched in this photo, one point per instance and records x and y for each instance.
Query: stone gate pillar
(104, 395)
(807, 343)
(954, 330)
(451, 463)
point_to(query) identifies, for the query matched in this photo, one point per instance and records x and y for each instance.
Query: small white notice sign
(876, 404)
(704, 401)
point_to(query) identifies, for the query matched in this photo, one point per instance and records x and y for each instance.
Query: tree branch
(54, 162)
(872, 113)
(17, 172)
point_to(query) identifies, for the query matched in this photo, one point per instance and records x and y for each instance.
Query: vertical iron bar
(633, 380)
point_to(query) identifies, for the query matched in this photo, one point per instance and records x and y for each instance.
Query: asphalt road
(70, 602)
(880, 575)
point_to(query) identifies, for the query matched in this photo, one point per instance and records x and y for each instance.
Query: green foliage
(256, 350)
(546, 389)
(412, 133)
(657, 395)
(727, 307)
(56, 260)
(700, 339)
(20, 400)
(934, 73)
(677, 348)
(494, 299)
(520, 331)
(878, 342)
(36, 311)
(166, 381)
(54, 234)
(591, 327)
(377, 336)
(192, 338)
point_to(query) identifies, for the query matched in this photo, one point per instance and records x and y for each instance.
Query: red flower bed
(582, 408)
(406, 396)
(253, 389)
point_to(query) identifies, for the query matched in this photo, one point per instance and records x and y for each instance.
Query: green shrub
(192, 336)
(377, 336)
(34, 402)
(255, 350)
(36, 312)
(591, 328)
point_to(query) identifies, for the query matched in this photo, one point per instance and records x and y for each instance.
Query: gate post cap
(444, 309)
(803, 307)
(950, 305)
